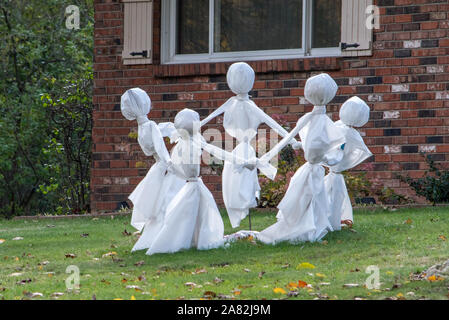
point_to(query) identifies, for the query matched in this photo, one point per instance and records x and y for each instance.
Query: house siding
(405, 82)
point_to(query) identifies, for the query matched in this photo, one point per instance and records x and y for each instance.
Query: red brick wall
(405, 82)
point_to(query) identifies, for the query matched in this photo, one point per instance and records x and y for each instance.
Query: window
(227, 30)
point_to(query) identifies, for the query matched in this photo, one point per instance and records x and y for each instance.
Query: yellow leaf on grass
(279, 290)
(435, 278)
(292, 285)
(320, 275)
(237, 292)
(442, 237)
(133, 298)
(305, 265)
(117, 299)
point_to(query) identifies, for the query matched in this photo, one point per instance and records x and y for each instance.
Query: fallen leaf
(261, 273)
(139, 263)
(434, 278)
(305, 265)
(302, 284)
(351, 285)
(320, 275)
(279, 290)
(109, 254)
(15, 274)
(17, 238)
(84, 235)
(192, 285)
(70, 255)
(237, 292)
(137, 288)
(442, 237)
(199, 271)
(209, 295)
(33, 294)
(133, 298)
(408, 221)
(2, 240)
(126, 233)
(218, 280)
(56, 294)
(24, 281)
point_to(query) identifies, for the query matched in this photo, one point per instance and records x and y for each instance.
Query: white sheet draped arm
(266, 168)
(302, 122)
(260, 113)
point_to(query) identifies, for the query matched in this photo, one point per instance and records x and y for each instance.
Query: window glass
(193, 26)
(326, 23)
(249, 25)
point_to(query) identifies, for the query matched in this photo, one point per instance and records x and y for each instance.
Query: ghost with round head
(353, 113)
(241, 119)
(192, 218)
(149, 196)
(304, 211)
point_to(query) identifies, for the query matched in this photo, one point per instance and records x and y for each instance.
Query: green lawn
(400, 243)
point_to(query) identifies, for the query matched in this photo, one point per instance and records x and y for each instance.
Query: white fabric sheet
(146, 198)
(354, 112)
(304, 211)
(192, 217)
(241, 120)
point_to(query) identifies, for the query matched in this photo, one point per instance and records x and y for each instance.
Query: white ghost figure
(192, 218)
(149, 196)
(353, 113)
(241, 120)
(304, 211)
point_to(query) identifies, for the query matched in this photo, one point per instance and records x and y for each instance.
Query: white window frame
(168, 41)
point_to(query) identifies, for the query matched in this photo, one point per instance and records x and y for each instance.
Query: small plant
(434, 186)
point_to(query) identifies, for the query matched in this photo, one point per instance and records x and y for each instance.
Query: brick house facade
(405, 81)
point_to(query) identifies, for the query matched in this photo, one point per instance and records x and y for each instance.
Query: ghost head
(187, 121)
(320, 89)
(240, 78)
(354, 112)
(135, 103)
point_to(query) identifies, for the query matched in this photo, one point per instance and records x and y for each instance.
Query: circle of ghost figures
(174, 210)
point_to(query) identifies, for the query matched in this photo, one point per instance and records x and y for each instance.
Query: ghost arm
(273, 124)
(159, 144)
(216, 113)
(286, 140)
(266, 168)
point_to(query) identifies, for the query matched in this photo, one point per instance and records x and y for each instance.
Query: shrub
(434, 186)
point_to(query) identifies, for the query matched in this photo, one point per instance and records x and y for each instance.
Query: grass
(399, 243)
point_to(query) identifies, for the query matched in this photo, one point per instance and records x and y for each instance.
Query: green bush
(38, 54)
(434, 186)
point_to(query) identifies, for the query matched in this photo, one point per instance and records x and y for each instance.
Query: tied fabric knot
(242, 96)
(142, 119)
(319, 110)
